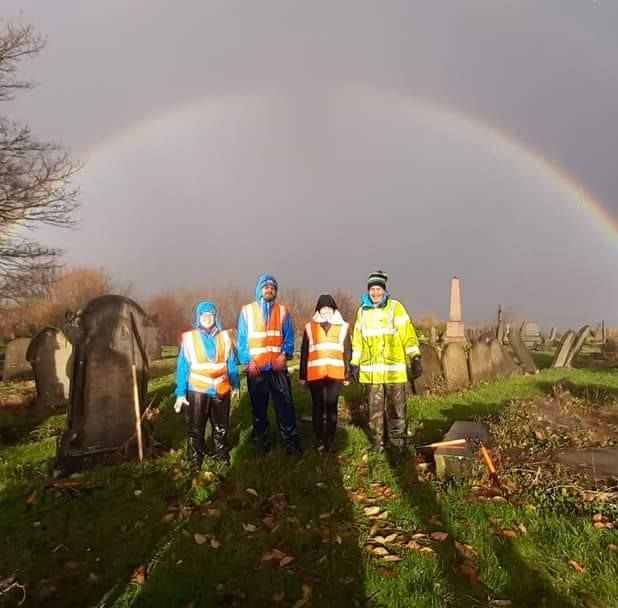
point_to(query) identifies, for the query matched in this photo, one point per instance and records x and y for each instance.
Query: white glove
(180, 401)
(235, 393)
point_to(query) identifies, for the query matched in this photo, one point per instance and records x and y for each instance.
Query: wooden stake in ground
(138, 418)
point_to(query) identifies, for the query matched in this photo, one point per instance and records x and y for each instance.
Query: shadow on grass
(273, 530)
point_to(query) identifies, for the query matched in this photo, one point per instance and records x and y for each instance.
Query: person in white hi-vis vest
(206, 377)
(324, 358)
(385, 355)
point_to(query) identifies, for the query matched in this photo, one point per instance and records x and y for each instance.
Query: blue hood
(367, 303)
(203, 307)
(265, 306)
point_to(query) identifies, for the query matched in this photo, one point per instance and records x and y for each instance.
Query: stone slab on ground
(599, 462)
(460, 463)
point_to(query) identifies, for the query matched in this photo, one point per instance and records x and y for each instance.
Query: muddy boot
(195, 454)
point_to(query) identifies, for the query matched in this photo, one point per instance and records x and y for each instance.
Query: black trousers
(201, 409)
(261, 388)
(325, 395)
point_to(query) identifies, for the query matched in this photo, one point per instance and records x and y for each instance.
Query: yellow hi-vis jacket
(383, 339)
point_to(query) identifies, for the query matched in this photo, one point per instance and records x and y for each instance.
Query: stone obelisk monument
(455, 326)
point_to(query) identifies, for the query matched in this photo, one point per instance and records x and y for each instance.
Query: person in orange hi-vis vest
(324, 365)
(265, 344)
(206, 377)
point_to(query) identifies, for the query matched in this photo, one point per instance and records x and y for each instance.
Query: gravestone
(501, 360)
(553, 335)
(108, 336)
(433, 335)
(562, 352)
(530, 334)
(461, 462)
(479, 360)
(455, 325)
(578, 343)
(599, 462)
(501, 332)
(610, 349)
(153, 340)
(432, 370)
(522, 353)
(455, 366)
(49, 354)
(16, 366)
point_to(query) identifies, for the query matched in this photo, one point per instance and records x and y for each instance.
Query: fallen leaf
(383, 515)
(166, 519)
(279, 597)
(391, 558)
(427, 550)
(307, 592)
(470, 571)
(199, 539)
(139, 575)
(371, 511)
(249, 527)
(390, 538)
(365, 458)
(374, 529)
(214, 543)
(288, 559)
(613, 548)
(208, 476)
(252, 492)
(439, 536)
(380, 551)
(599, 525)
(386, 572)
(466, 550)
(379, 539)
(413, 546)
(506, 533)
(500, 499)
(577, 567)
(522, 529)
(213, 512)
(419, 535)
(597, 517)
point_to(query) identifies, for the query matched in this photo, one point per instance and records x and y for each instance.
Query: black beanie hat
(326, 300)
(379, 278)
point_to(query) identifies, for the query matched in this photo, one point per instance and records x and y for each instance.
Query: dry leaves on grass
(466, 550)
(249, 527)
(200, 539)
(252, 492)
(371, 511)
(306, 598)
(439, 536)
(576, 566)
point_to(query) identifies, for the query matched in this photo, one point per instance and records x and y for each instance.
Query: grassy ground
(147, 536)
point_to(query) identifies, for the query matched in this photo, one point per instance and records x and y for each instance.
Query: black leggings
(325, 394)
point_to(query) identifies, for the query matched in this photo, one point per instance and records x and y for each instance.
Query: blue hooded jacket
(183, 366)
(367, 303)
(288, 325)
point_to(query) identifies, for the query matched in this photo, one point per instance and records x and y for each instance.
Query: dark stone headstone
(108, 337)
(49, 354)
(562, 352)
(432, 376)
(479, 359)
(578, 343)
(455, 366)
(501, 360)
(16, 366)
(152, 341)
(457, 462)
(522, 353)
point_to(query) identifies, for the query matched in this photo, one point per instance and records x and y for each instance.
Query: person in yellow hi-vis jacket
(385, 355)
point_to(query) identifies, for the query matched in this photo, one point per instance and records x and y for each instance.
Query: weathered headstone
(530, 334)
(501, 331)
(522, 353)
(433, 335)
(432, 370)
(461, 462)
(108, 336)
(578, 343)
(610, 349)
(455, 366)
(153, 340)
(16, 366)
(553, 334)
(49, 354)
(501, 360)
(455, 325)
(562, 352)
(479, 360)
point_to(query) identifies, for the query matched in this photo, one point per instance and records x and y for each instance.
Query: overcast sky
(319, 141)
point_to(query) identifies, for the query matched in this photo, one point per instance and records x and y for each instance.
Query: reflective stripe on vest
(325, 358)
(265, 341)
(205, 373)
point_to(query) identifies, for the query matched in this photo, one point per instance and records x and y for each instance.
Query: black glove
(416, 369)
(354, 372)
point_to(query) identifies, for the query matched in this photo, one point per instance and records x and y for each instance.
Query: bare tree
(35, 181)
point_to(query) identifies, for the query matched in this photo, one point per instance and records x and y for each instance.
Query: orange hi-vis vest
(325, 357)
(265, 340)
(206, 374)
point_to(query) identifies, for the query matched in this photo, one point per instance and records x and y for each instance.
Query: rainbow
(445, 115)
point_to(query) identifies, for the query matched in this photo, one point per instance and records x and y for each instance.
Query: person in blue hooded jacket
(206, 377)
(265, 344)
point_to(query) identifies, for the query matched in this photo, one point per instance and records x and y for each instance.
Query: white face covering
(326, 312)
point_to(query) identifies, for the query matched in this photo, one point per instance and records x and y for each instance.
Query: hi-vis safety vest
(325, 357)
(383, 339)
(205, 373)
(265, 340)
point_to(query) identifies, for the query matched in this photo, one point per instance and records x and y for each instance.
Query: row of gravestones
(100, 365)
(457, 367)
